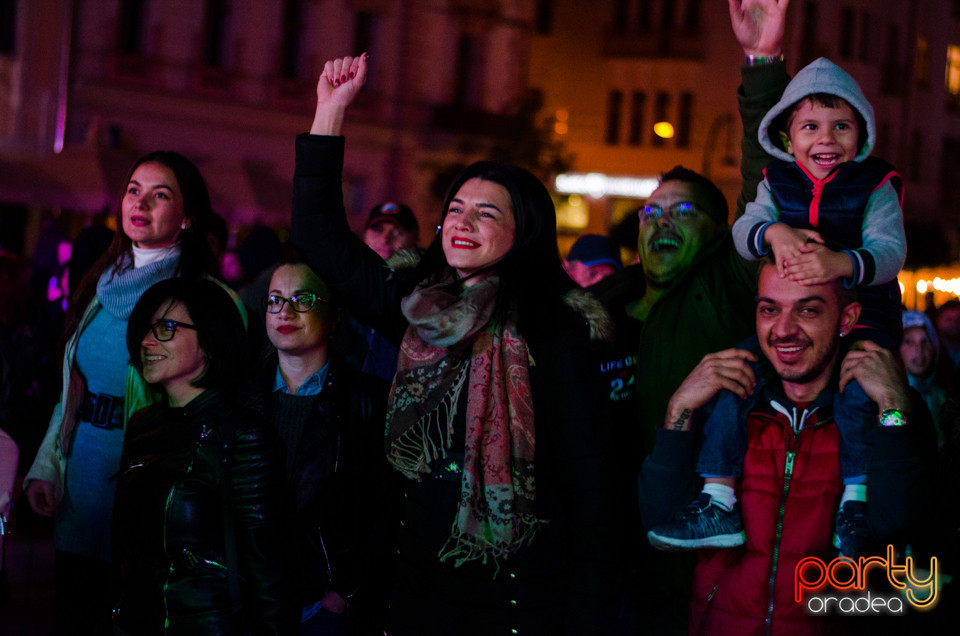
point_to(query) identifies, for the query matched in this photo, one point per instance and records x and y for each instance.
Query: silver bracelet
(760, 60)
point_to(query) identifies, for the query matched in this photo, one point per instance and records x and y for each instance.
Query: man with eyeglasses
(690, 295)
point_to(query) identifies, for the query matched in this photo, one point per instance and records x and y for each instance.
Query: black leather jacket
(188, 477)
(334, 472)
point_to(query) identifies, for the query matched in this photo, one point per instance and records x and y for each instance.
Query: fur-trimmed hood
(820, 76)
(592, 310)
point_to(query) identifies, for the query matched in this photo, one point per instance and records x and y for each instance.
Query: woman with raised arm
(496, 421)
(162, 218)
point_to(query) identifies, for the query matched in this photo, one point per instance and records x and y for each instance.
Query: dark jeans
(725, 432)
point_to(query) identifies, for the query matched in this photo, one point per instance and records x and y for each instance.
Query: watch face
(892, 417)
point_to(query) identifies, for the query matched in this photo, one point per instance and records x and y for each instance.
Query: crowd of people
(481, 437)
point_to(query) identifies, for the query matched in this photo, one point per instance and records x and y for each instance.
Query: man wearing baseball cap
(390, 228)
(591, 259)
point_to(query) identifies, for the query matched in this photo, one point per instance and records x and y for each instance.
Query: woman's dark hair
(294, 258)
(196, 256)
(531, 272)
(220, 331)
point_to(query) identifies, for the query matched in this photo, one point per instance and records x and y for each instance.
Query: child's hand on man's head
(818, 265)
(788, 242)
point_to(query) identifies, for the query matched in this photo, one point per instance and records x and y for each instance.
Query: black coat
(565, 580)
(332, 475)
(187, 475)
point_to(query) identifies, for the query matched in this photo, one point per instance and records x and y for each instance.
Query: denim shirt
(311, 386)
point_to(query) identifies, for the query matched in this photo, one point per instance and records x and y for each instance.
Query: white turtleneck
(143, 256)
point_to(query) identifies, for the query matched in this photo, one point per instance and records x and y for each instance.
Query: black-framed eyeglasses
(300, 303)
(164, 330)
(682, 211)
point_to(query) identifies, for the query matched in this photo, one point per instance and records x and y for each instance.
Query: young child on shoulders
(826, 209)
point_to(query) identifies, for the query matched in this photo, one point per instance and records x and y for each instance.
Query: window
(644, 9)
(666, 15)
(215, 17)
(620, 8)
(692, 22)
(614, 105)
(8, 26)
(949, 169)
(922, 62)
(846, 33)
(808, 38)
(468, 73)
(130, 27)
(684, 111)
(544, 16)
(637, 103)
(864, 52)
(364, 31)
(291, 42)
(952, 79)
(660, 108)
(884, 139)
(915, 167)
(893, 74)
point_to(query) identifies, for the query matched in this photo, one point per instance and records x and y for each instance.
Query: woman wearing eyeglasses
(201, 533)
(321, 413)
(162, 218)
(497, 418)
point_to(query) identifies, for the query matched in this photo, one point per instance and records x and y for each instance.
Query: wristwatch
(893, 417)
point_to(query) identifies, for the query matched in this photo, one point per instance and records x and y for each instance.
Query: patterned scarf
(451, 342)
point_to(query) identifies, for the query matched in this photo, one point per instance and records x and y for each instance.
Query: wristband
(761, 60)
(893, 417)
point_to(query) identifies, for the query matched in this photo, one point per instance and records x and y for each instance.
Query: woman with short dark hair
(201, 534)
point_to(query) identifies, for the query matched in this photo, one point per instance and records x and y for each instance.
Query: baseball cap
(593, 249)
(393, 211)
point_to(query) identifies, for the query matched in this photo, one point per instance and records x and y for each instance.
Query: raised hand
(727, 369)
(338, 86)
(758, 25)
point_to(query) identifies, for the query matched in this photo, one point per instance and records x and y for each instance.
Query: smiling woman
(478, 229)
(163, 212)
(497, 419)
(200, 519)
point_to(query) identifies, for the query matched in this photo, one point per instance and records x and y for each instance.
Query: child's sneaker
(852, 532)
(701, 524)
